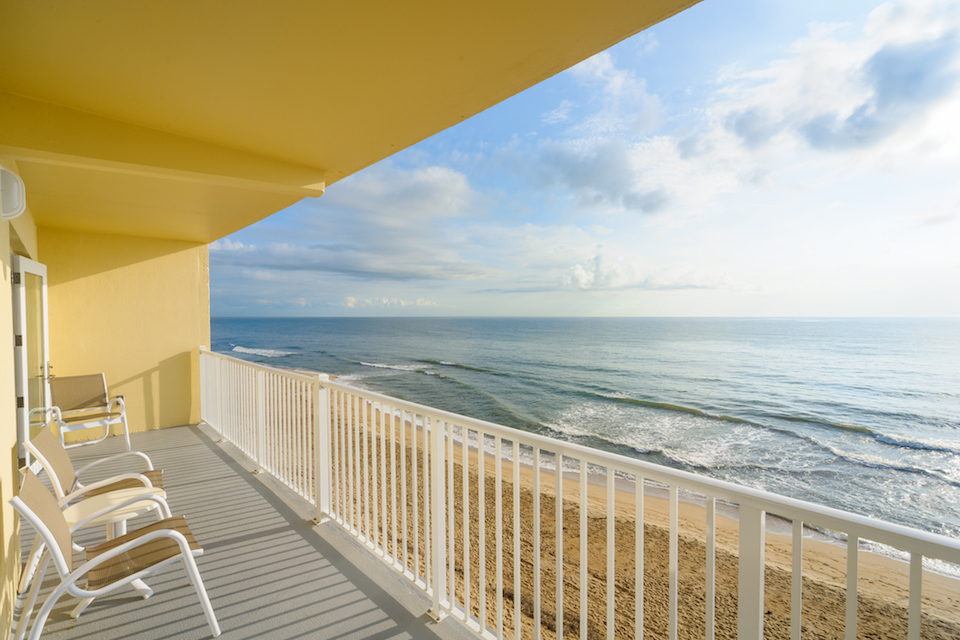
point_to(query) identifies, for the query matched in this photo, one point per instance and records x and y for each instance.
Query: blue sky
(738, 159)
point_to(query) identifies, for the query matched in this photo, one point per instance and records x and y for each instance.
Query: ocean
(857, 414)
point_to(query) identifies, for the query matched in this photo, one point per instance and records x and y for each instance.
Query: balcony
(406, 537)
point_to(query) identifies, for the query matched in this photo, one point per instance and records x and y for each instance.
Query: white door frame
(21, 266)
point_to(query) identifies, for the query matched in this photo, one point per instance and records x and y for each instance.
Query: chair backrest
(79, 392)
(54, 459)
(40, 508)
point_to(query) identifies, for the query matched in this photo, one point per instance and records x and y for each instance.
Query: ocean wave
(393, 367)
(670, 407)
(457, 365)
(874, 462)
(893, 441)
(881, 438)
(265, 353)
(914, 444)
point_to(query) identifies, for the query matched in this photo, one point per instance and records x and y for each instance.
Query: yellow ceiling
(234, 109)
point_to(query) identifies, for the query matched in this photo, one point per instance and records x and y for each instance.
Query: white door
(31, 348)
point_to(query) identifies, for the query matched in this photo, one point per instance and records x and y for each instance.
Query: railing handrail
(895, 535)
(300, 374)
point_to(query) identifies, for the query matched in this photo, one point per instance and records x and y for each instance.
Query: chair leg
(45, 610)
(141, 587)
(24, 622)
(194, 574)
(77, 610)
(32, 561)
(126, 431)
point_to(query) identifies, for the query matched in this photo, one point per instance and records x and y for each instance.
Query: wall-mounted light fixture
(13, 194)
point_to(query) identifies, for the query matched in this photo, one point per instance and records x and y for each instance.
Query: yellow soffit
(222, 99)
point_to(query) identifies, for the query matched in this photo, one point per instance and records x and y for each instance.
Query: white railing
(397, 476)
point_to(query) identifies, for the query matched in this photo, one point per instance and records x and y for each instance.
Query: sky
(742, 158)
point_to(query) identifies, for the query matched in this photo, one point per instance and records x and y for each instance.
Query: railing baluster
(611, 554)
(558, 539)
(351, 457)
(796, 584)
(383, 480)
(364, 433)
(853, 549)
(482, 526)
(416, 496)
(451, 523)
(516, 541)
(344, 476)
(427, 510)
(465, 452)
(750, 581)
(322, 441)
(638, 559)
(439, 548)
(584, 503)
(498, 505)
(298, 437)
(674, 560)
(536, 543)
(403, 489)
(393, 480)
(916, 588)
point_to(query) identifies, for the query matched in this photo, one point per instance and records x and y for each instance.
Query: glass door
(31, 348)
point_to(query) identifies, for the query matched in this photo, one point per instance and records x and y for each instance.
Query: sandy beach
(883, 581)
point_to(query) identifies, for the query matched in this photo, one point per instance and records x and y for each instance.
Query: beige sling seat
(108, 566)
(81, 402)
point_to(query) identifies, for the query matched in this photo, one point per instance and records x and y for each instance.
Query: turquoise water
(861, 415)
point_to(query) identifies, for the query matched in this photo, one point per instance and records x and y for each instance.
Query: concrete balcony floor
(269, 571)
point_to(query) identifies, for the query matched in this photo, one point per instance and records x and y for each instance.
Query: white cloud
(560, 114)
(606, 272)
(647, 42)
(226, 244)
(353, 302)
(385, 223)
(625, 107)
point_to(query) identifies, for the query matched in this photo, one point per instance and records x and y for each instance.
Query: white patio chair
(78, 502)
(81, 402)
(53, 457)
(109, 566)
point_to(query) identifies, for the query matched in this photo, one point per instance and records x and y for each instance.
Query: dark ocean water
(861, 415)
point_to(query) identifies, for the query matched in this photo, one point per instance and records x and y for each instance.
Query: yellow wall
(134, 308)
(9, 537)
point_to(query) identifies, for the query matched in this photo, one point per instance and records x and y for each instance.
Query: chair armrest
(85, 568)
(102, 483)
(152, 497)
(139, 454)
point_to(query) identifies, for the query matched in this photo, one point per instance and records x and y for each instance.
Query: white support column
(322, 468)
(438, 500)
(750, 589)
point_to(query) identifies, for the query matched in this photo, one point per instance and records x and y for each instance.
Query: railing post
(322, 468)
(750, 587)
(438, 500)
